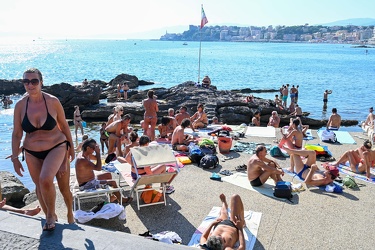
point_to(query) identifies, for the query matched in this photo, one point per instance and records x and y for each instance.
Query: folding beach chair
(79, 196)
(145, 157)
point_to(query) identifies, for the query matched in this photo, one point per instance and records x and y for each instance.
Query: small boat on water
(185, 43)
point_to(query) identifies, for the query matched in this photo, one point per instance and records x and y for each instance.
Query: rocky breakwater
(228, 106)
(14, 191)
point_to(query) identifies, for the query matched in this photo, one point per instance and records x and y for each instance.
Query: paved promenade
(316, 219)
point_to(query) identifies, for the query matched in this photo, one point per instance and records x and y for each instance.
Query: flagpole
(200, 47)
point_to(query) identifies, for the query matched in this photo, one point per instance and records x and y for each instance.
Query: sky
(132, 19)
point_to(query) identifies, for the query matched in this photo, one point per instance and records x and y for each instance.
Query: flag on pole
(204, 18)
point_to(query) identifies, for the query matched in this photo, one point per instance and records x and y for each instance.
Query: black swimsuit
(49, 124)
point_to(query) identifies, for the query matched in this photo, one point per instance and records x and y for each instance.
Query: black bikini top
(49, 124)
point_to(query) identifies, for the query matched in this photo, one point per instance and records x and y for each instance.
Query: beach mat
(261, 131)
(241, 180)
(345, 169)
(252, 220)
(342, 136)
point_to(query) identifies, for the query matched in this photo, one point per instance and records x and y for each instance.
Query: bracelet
(13, 158)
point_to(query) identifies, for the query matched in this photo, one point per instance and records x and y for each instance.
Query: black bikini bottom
(43, 154)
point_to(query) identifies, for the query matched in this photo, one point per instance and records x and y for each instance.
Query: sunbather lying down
(308, 171)
(226, 231)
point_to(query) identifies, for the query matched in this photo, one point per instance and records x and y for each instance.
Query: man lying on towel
(226, 231)
(260, 168)
(308, 171)
(85, 170)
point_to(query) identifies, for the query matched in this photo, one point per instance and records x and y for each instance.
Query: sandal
(226, 172)
(242, 167)
(49, 227)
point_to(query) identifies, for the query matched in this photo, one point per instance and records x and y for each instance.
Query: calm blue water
(347, 71)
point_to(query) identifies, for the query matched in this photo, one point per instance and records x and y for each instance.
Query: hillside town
(303, 33)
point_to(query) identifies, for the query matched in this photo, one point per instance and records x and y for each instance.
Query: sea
(349, 72)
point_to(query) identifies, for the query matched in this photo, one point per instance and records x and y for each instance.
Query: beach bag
(283, 189)
(208, 149)
(275, 151)
(150, 196)
(209, 162)
(195, 153)
(329, 136)
(349, 182)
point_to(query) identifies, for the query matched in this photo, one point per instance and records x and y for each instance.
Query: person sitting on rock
(206, 82)
(334, 121)
(199, 119)
(255, 121)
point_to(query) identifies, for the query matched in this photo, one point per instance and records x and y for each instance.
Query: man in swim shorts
(260, 168)
(308, 171)
(85, 170)
(334, 121)
(180, 141)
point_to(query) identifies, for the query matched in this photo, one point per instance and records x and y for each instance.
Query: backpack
(328, 136)
(349, 182)
(283, 189)
(195, 153)
(209, 162)
(275, 151)
(208, 149)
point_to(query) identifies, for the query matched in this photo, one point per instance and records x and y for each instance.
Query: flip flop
(226, 172)
(242, 167)
(215, 177)
(49, 227)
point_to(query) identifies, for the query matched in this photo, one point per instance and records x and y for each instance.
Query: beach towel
(241, 180)
(345, 169)
(108, 211)
(342, 137)
(261, 131)
(252, 220)
(248, 147)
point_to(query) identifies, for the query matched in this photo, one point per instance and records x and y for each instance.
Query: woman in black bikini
(77, 119)
(226, 230)
(46, 145)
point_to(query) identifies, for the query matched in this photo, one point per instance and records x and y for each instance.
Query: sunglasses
(34, 81)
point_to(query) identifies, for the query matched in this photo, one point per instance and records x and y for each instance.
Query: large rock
(13, 189)
(11, 87)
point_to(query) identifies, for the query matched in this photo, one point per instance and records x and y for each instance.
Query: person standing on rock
(47, 142)
(77, 119)
(325, 98)
(150, 116)
(285, 96)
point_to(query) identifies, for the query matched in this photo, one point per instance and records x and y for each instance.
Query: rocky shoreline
(228, 105)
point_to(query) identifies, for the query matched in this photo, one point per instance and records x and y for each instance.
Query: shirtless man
(260, 168)
(180, 141)
(369, 123)
(274, 120)
(85, 169)
(325, 98)
(182, 115)
(225, 231)
(308, 171)
(293, 92)
(255, 121)
(297, 111)
(334, 121)
(117, 131)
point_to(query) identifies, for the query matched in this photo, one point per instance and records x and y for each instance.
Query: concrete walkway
(25, 232)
